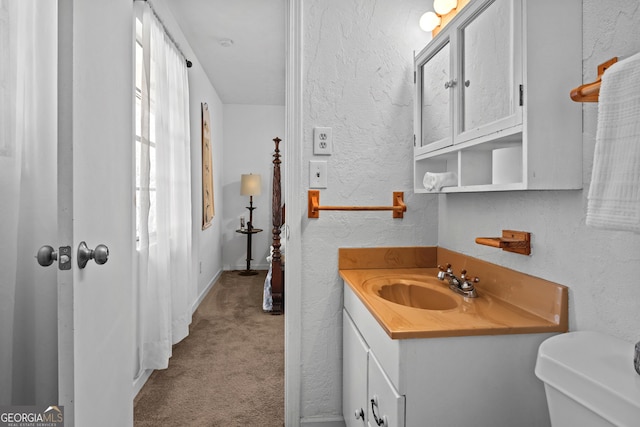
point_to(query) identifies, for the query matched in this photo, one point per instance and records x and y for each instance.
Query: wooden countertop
(501, 308)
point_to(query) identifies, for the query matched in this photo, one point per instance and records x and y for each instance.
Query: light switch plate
(317, 174)
(322, 141)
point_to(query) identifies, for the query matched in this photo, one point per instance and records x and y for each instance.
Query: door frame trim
(293, 191)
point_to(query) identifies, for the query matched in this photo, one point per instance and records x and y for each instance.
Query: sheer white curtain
(10, 166)
(165, 270)
(28, 201)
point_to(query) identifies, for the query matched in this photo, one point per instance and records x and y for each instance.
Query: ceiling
(252, 69)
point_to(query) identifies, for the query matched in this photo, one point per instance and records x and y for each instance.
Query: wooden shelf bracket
(511, 241)
(398, 209)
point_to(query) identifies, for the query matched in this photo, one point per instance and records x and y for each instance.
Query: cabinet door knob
(450, 83)
(467, 83)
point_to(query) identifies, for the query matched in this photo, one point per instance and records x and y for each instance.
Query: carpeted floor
(229, 371)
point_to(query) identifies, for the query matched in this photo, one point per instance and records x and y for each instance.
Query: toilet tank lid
(594, 369)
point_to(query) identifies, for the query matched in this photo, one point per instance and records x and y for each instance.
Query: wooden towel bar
(398, 207)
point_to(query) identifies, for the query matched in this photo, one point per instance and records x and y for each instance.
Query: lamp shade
(250, 185)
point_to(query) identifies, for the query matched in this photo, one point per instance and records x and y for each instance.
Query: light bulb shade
(442, 7)
(429, 21)
(250, 185)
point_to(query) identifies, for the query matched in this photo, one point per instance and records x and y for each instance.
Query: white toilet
(589, 380)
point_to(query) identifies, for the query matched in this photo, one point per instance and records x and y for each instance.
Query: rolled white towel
(435, 181)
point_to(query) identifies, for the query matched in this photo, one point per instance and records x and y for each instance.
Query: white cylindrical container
(506, 165)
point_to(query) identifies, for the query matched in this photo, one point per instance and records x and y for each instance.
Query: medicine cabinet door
(491, 70)
(435, 95)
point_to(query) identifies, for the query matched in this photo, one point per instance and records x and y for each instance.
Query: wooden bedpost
(277, 272)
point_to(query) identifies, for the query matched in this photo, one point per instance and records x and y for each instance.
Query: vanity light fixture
(442, 7)
(444, 11)
(429, 21)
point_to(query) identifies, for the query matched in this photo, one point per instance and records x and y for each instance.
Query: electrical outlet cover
(322, 141)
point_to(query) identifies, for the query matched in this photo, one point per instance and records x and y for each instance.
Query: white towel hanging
(614, 195)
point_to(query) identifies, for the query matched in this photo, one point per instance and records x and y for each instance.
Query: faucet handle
(464, 277)
(468, 282)
(446, 268)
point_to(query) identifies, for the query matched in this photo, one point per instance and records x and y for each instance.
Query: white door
(66, 126)
(28, 203)
(95, 198)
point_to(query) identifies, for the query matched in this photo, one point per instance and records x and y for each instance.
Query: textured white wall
(358, 79)
(248, 148)
(599, 266)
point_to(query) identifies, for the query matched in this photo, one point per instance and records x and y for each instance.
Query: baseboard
(322, 422)
(204, 292)
(254, 266)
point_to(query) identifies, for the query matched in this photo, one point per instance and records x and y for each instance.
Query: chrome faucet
(463, 285)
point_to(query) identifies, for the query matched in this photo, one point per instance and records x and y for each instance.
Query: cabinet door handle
(450, 83)
(360, 414)
(381, 421)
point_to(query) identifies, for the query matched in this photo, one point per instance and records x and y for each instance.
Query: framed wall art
(208, 208)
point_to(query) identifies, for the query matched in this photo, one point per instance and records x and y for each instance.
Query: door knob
(47, 255)
(100, 254)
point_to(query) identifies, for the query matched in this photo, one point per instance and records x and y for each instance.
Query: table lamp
(250, 185)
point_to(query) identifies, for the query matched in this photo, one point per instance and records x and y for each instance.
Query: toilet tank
(589, 380)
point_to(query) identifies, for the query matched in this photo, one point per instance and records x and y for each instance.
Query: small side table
(249, 232)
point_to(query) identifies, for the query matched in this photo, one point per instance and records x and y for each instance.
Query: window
(143, 144)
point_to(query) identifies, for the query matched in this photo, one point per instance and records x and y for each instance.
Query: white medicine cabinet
(492, 99)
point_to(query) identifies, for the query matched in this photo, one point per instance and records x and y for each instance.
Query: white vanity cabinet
(480, 381)
(367, 393)
(355, 359)
(492, 98)
(386, 406)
